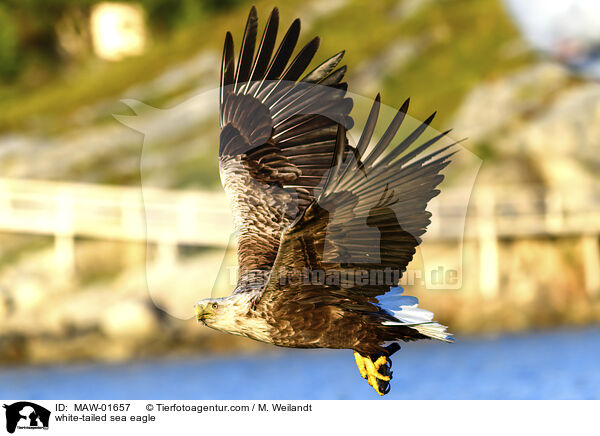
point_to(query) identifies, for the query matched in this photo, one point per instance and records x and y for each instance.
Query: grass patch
(473, 49)
(476, 32)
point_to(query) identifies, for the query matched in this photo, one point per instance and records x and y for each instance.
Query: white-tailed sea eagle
(325, 229)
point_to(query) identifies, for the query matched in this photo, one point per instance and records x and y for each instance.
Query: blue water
(547, 365)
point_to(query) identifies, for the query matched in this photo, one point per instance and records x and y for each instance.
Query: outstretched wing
(278, 135)
(353, 242)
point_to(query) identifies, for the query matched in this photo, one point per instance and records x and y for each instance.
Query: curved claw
(370, 370)
(384, 386)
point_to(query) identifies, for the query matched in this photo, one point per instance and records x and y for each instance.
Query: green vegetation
(32, 27)
(468, 41)
(8, 44)
(47, 89)
(477, 47)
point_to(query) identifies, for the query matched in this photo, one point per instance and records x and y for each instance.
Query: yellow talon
(361, 365)
(370, 370)
(380, 361)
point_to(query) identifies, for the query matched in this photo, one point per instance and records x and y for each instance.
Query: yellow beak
(199, 311)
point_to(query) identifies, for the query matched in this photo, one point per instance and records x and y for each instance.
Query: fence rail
(204, 218)
(120, 213)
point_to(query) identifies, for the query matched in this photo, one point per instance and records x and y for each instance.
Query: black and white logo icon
(26, 415)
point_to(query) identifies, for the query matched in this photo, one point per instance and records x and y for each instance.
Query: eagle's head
(223, 313)
(209, 310)
(233, 314)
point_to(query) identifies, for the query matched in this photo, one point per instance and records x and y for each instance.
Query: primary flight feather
(325, 229)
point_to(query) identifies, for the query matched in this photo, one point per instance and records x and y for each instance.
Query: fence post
(591, 264)
(488, 244)
(64, 241)
(133, 228)
(187, 223)
(553, 210)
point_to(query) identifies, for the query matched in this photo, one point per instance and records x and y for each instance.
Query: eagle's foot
(379, 380)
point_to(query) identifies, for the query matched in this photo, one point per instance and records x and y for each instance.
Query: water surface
(546, 365)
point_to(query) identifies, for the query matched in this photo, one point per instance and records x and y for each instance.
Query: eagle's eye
(215, 305)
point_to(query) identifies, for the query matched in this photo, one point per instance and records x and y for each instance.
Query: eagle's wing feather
(375, 196)
(278, 134)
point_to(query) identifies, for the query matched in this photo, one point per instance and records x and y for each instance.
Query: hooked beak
(199, 311)
(202, 312)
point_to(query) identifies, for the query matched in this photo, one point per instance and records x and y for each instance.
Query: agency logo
(26, 415)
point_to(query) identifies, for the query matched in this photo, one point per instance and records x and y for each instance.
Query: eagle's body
(325, 229)
(324, 326)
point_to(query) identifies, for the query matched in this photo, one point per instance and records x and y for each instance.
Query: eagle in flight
(325, 229)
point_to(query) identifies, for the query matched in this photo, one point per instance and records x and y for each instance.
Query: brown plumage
(314, 215)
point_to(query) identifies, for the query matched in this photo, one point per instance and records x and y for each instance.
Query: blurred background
(98, 278)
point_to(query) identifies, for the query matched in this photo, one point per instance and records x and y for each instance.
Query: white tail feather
(407, 311)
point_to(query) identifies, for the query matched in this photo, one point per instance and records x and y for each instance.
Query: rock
(129, 319)
(4, 305)
(569, 127)
(491, 108)
(541, 118)
(177, 288)
(28, 294)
